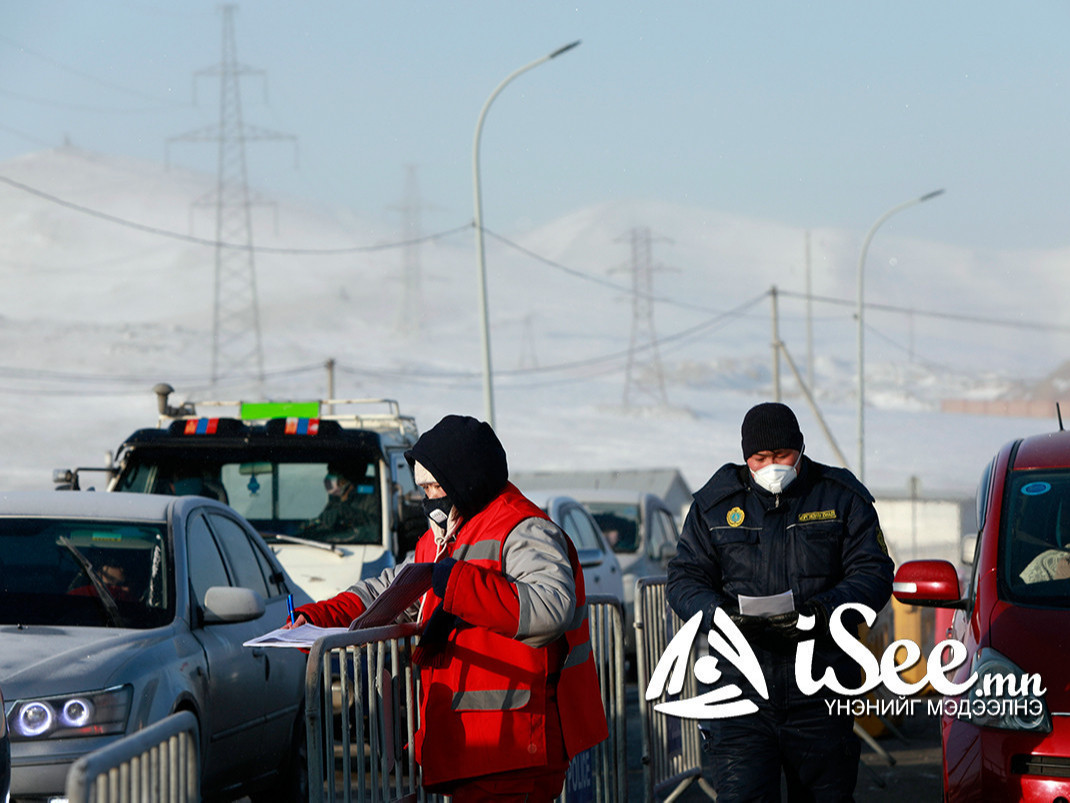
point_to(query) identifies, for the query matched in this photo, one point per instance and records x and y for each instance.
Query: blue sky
(812, 114)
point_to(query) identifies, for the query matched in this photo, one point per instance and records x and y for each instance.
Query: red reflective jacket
(484, 710)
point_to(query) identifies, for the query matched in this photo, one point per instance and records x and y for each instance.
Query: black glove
(784, 625)
(749, 625)
(818, 611)
(433, 638)
(440, 576)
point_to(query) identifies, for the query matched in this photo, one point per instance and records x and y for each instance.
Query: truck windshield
(334, 502)
(1035, 547)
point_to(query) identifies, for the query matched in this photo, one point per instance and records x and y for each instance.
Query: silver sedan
(119, 609)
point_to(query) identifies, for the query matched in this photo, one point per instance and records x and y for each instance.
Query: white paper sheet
(300, 636)
(767, 606)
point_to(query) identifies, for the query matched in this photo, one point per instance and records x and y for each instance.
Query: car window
(619, 522)
(1035, 537)
(241, 557)
(52, 572)
(984, 488)
(206, 567)
(664, 530)
(579, 528)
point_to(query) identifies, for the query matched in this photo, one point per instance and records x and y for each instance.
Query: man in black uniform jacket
(782, 522)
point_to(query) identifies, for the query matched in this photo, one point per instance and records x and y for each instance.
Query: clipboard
(410, 583)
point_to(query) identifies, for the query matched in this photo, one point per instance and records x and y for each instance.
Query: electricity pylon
(236, 346)
(644, 374)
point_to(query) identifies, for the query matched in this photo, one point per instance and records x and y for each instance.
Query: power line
(75, 71)
(80, 107)
(212, 243)
(951, 316)
(587, 277)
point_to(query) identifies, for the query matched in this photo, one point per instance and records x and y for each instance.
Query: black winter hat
(466, 458)
(770, 426)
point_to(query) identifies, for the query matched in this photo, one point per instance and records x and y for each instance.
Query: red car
(1008, 737)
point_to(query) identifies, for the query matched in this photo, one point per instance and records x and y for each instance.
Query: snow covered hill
(106, 287)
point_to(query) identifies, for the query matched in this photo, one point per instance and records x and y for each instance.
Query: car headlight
(96, 713)
(1006, 697)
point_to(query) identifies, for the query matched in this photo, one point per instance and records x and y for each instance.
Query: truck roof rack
(390, 420)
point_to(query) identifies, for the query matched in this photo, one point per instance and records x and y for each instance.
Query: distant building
(920, 527)
(668, 483)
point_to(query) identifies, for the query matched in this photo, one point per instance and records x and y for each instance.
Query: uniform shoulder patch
(818, 515)
(881, 542)
(735, 517)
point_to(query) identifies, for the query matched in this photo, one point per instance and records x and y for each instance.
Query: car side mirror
(227, 604)
(969, 545)
(931, 583)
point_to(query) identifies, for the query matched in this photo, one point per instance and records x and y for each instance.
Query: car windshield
(1035, 546)
(334, 502)
(619, 522)
(90, 573)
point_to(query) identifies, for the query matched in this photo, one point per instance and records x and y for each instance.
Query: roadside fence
(672, 748)
(361, 708)
(159, 763)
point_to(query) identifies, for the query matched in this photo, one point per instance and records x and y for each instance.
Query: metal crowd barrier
(159, 763)
(600, 774)
(361, 693)
(361, 708)
(672, 748)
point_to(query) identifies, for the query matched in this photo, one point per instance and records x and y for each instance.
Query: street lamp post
(488, 390)
(861, 381)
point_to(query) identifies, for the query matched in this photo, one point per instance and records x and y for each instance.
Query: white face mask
(776, 476)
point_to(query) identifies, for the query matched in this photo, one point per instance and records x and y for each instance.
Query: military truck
(325, 482)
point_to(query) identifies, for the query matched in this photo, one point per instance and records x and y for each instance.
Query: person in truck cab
(349, 507)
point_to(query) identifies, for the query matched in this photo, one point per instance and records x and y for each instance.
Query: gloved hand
(433, 638)
(440, 577)
(784, 625)
(749, 625)
(817, 610)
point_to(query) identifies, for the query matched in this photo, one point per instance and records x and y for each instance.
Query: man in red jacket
(509, 689)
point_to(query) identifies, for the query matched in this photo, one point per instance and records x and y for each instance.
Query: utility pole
(809, 316)
(776, 342)
(643, 374)
(236, 345)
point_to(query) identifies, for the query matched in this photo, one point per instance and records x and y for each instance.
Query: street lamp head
(929, 196)
(564, 49)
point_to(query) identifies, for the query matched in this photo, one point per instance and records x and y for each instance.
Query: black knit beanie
(770, 426)
(466, 458)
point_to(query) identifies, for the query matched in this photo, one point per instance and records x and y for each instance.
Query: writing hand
(301, 620)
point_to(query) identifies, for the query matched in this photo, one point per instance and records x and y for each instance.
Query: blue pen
(290, 608)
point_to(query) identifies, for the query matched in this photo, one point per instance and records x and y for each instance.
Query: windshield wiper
(115, 619)
(293, 539)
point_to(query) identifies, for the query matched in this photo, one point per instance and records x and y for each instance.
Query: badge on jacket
(735, 517)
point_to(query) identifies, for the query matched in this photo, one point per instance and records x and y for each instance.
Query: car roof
(608, 495)
(1050, 450)
(543, 497)
(93, 504)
